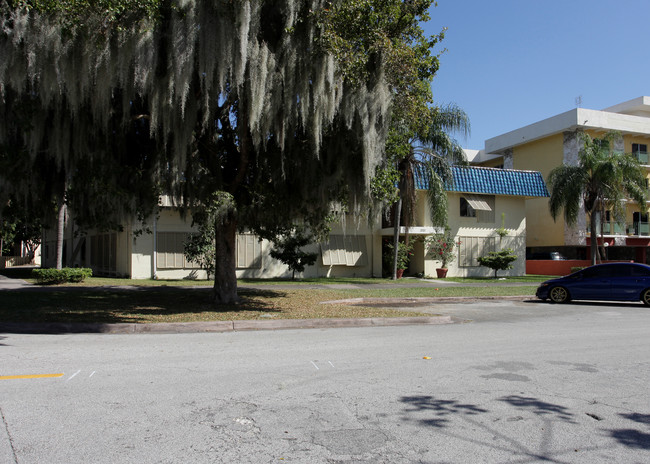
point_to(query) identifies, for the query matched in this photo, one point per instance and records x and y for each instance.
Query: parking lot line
(32, 376)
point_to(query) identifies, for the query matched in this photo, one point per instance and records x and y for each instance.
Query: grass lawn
(107, 300)
(25, 274)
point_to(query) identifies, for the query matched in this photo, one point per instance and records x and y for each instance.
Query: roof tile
(494, 181)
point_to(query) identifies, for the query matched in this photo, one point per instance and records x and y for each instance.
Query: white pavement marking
(93, 373)
(73, 376)
(331, 363)
(317, 368)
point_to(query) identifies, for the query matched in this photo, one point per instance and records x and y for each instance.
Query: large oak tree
(261, 111)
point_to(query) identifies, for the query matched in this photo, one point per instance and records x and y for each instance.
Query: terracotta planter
(442, 272)
(400, 273)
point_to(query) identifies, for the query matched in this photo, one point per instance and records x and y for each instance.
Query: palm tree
(602, 180)
(432, 158)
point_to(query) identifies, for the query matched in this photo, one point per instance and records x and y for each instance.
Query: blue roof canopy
(492, 181)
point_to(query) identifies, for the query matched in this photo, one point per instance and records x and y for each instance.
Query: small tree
(199, 248)
(498, 260)
(288, 249)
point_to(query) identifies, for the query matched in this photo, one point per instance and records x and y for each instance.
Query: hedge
(60, 276)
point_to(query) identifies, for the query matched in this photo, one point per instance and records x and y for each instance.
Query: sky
(510, 63)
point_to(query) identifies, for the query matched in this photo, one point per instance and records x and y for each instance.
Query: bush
(576, 269)
(498, 260)
(60, 276)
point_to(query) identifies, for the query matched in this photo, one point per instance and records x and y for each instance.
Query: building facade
(480, 201)
(554, 141)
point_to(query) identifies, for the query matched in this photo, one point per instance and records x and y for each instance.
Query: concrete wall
(557, 268)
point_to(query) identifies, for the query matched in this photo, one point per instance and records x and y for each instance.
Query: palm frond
(566, 185)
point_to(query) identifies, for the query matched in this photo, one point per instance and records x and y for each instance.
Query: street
(523, 382)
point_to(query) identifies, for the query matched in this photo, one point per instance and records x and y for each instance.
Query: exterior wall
(547, 143)
(544, 155)
(558, 268)
(541, 155)
(514, 218)
(370, 265)
(628, 140)
(133, 255)
(263, 266)
(142, 247)
(169, 220)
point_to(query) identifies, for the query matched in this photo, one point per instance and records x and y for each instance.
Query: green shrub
(498, 260)
(576, 269)
(60, 276)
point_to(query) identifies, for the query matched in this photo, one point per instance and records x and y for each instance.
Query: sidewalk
(12, 284)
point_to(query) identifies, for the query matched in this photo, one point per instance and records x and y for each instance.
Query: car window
(598, 271)
(620, 270)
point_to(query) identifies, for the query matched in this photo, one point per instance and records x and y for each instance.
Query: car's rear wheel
(561, 295)
(645, 297)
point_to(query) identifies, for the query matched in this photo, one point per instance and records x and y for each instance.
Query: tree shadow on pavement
(440, 409)
(539, 408)
(454, 419)
(105, 305)
(630, 437)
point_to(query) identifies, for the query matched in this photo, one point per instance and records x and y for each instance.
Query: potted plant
(404, 252)
(441, 248)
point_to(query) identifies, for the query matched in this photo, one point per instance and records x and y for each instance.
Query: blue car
(612, 282)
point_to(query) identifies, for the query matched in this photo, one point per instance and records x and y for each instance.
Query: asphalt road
(524, 382)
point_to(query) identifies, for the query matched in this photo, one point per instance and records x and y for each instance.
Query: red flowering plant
(441, 247)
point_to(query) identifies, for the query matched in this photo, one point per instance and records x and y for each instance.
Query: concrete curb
(428, 299)
(215, 326)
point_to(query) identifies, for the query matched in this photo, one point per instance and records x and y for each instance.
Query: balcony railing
(631, 228)
(642, 157)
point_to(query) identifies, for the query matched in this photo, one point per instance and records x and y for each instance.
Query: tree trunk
(594, 239)
(225, 278)
(60, 229)
(396, 220)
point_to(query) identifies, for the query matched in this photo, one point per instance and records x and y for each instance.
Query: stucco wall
(541, 155)
(514, 218)
(169, 220)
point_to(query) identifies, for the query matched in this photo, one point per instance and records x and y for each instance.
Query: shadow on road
(450, 417)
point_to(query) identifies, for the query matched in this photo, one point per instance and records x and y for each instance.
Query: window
(344, 250)
(478, 206)
(465, 209)
(249, 252)
(471, 248)
(486, 215)
(170, 251)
